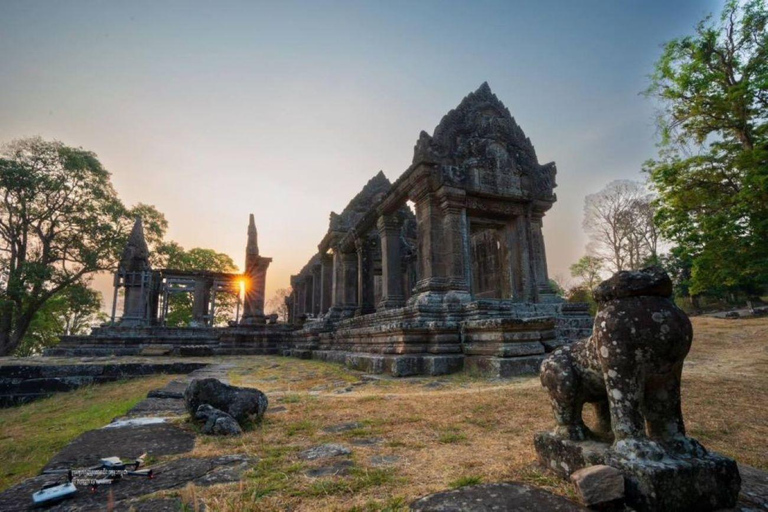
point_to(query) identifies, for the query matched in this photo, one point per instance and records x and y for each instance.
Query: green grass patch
(465, 481)
(33, 433)
(451, 437)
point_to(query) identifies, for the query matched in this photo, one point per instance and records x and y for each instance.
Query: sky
(213, 110)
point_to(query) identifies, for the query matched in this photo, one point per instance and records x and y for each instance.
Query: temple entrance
(487, 252)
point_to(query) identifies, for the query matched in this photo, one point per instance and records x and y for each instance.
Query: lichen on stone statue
(630, 370)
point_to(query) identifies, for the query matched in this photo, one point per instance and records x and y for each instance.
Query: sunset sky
(214, 110)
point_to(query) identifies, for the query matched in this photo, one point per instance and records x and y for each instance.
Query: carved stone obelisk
(256, 278)
(134, 270)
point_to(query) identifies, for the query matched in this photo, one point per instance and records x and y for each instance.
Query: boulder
(217, 422)
(600, 487)
(240, 403)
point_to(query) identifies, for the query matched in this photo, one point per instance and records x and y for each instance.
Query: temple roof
(371, 194)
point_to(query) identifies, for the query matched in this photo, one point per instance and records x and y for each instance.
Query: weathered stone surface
(630, 370)
(243, 404)
(174, 474)
(599, 486)
(507, 497)
(127, 442)
(342, 427)
(325, 451)
(217, 423)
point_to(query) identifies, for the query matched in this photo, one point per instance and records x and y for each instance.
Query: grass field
(31, 434)
(409, 437)
(457, 430)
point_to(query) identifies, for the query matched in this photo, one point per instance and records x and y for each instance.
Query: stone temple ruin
(459, 282)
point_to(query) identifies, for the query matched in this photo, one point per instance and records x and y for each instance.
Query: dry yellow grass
(455, 430)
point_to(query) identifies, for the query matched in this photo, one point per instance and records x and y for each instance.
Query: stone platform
(671, 484)
(497, 338)
(28, 379)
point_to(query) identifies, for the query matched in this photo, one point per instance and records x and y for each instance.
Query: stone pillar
(326, 282)
(316, 288)
(518, 259)
(456, 246)
(200, 300)
(538, 253)
(392, 295)
(309, 294)
(443, 247)
(365, 291)
(349, 283)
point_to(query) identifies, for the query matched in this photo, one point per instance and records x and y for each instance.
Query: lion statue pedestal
(630, 370)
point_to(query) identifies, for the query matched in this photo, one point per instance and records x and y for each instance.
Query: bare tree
(619, 222)
(277, 303)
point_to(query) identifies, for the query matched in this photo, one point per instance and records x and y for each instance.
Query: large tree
(73, 310)
(619, 222)
(711, 175)
(60, 221)
(276, 305)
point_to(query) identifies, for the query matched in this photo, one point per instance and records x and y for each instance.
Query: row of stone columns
(343, 281)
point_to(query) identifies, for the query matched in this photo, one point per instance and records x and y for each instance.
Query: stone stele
(630, 370)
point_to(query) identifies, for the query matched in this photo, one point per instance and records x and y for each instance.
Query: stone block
(600, 486)
(679, 484)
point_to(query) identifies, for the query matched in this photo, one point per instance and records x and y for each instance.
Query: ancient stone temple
(443, 269)
(142, 329)
(458, 281)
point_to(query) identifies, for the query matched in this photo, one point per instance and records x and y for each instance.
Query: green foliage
(72, 311)
(60, 221)
(588, 270)
(172, 255)
(712, 171)
(556, 288)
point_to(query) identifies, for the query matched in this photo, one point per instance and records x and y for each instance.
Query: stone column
(392, 295)
(538, 253)
(200, 300)
(338, 279)
(316, 288)
(365, 291)
(309, 294)
(349, 284)
(443, 237)
(326, 282)
(518, 259)
(456, 245)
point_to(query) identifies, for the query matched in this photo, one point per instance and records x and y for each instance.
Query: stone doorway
(488, 254)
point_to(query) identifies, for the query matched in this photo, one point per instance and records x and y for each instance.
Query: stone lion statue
(629, 369)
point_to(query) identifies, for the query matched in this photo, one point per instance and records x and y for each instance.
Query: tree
(60, 221)
(180, 304)
(711, 174)
(588, 269)
(619, 222)
(72, 311)
(277, 303)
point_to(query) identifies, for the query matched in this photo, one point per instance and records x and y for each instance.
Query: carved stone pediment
(479, 146)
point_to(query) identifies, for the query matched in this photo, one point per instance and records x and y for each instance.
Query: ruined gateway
(460, 284)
